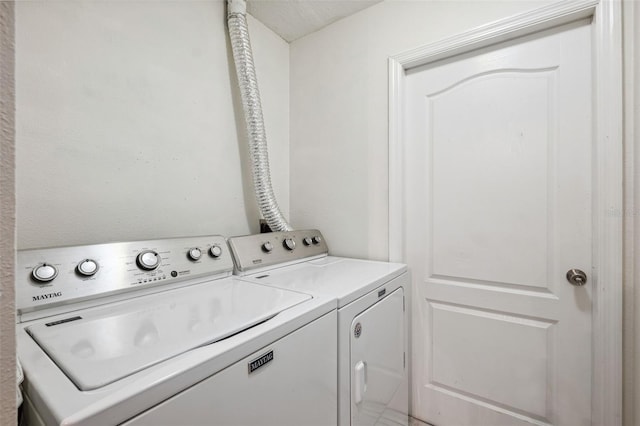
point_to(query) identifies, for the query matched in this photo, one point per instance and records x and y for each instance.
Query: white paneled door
(498, 155)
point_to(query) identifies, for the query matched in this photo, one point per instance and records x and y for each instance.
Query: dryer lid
(108, 344)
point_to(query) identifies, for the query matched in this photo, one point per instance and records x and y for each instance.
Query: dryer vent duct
(259, 157)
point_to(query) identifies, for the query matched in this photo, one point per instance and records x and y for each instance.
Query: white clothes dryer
(159, 333)
(372, 332)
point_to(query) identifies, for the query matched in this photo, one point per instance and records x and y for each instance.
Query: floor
(416, 422)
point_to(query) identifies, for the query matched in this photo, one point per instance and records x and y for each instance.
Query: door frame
(606, 407)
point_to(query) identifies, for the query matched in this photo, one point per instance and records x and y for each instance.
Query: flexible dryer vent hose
(243, 58)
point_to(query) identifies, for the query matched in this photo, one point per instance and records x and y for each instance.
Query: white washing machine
(160, 333)
(372, 320)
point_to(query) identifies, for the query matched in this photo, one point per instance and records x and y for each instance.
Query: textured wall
(631, 367)
(339, 140)
(128, 119)
(636, 280)
(7, 218)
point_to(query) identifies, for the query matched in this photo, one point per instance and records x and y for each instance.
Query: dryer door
(377, 360)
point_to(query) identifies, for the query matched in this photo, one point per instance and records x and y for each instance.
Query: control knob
(317, 239)
(44, 273)
(87, 267)
(215, 251)
(148, 260)
(194, 253)
(289, 244)
(267, 247)
(307, 241)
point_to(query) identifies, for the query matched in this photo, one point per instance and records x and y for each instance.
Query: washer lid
(111, 343)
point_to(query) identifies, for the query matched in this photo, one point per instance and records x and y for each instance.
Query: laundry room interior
(499, 240)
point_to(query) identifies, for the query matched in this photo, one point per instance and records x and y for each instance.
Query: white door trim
(608, 170)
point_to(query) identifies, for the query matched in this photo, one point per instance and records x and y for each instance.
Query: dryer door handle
(360, 375)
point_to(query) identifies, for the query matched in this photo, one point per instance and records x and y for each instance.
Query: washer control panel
(263, 250)
(61, 275)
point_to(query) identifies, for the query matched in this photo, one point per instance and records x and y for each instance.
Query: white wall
(339, 141)
(128, 119)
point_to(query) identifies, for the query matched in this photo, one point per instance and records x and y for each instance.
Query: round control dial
(148, 260)
(194, 253)
(215, 251)
(44, 273)
(289, 244)
(267, 247)
(317, 239)
(307, 241)
(87, 267)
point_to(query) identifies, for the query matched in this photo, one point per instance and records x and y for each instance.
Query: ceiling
(292, 19)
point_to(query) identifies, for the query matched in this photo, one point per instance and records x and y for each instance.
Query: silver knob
(307, 241)
(576, 277)
(87, 267)
(215, 251)
(148, 260)
(44, 273)
(317, 239)
(194, 253)
(267, 247)
(289, 244)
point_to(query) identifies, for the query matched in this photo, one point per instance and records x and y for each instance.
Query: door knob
(576, 277)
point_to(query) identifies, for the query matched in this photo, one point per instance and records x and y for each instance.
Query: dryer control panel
(253, 252)
(62, 275)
